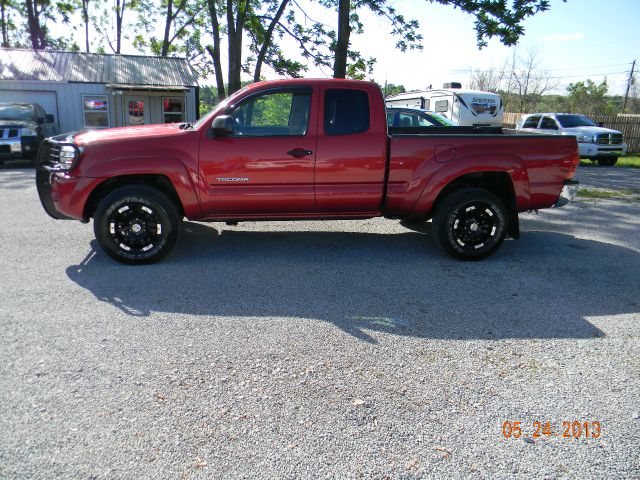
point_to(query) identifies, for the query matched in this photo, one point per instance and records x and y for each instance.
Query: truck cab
(23, 126)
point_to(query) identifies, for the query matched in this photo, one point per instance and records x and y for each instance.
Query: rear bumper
(568, 193)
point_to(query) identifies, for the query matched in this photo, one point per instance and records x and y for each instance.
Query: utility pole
(626, 95)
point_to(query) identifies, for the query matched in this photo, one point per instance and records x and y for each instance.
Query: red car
(301, 149)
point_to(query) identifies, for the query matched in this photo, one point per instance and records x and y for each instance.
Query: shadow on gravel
(12, 178)
(542, 286)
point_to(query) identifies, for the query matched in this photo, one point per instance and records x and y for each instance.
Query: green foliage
(589, 98)
(389, 90)
(495, 18)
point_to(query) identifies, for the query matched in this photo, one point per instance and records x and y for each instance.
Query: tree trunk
(235, 29)
(38, 39)
(120, 7)
(215, 51)
(3, 19)
(167, 29)
(342, 47)
(267, 40)
(85, 18)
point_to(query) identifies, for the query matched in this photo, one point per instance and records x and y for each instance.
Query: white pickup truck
(595, 143)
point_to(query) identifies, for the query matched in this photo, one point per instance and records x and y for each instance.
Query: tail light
(575, 161)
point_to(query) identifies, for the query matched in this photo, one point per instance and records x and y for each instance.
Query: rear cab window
(346, 111)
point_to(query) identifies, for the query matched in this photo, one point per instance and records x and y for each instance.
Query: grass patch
(631, 161)
(602, 193)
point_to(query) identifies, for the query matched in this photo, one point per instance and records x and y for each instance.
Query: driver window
(273, 114)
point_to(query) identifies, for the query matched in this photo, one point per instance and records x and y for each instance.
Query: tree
(7, 25)
(589, 98)
(528, 81)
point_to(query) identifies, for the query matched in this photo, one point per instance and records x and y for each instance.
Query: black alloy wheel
(136, 225)
(470, 224)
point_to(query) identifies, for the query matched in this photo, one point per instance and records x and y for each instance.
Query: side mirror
(40, 120)
(600, 124)
(50, 118)
(222, 126)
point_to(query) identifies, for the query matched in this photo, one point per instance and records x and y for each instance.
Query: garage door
(46, 99)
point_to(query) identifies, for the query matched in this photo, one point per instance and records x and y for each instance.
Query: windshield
(16, 112)
(568, 121)
(221, 106)
(441, 119)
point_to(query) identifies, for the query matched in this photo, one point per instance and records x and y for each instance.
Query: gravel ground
(319, 349)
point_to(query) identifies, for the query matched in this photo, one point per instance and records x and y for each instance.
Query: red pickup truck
(301, 149)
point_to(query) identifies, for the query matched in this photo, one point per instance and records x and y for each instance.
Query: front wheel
(136, 225)
(470, 224)
(607, 161)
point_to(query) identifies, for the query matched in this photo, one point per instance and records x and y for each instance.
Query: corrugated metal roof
(52, 66)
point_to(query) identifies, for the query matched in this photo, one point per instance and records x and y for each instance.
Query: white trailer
(462, 107)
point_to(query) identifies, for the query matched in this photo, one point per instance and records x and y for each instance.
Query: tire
(136, 225)
(470, 224)
(607, 161)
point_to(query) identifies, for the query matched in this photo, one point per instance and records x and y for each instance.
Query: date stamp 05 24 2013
(537, 429)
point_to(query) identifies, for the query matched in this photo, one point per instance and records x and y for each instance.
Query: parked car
(415, 117)
(301, 149)
(23, 126)
(470, 108)
(595, 143)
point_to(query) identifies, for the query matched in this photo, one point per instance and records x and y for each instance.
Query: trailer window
(346, 111)
(442, 105)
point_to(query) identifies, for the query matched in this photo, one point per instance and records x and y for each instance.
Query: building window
(95, 109)
(172, 109)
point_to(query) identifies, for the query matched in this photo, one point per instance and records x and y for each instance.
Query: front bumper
(568, 193)
(10, 148)
(591, 150)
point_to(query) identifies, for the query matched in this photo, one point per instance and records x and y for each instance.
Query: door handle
(299, 152)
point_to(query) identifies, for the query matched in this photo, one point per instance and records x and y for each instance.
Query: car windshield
(16, 112)
(569, 121)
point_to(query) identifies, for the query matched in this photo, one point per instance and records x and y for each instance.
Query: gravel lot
(320, 349)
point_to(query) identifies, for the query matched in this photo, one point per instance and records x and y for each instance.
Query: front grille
(7, 133)
(5, 149)
(609, 139)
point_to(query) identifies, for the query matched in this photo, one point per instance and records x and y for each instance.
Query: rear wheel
(136, 225)
(607, 161)
(470, 224)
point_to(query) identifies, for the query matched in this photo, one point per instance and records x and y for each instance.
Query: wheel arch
(157, 181)
(498, 182)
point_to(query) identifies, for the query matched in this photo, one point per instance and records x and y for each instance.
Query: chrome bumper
(569, 190)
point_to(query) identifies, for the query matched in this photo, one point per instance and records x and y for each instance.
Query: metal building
(91, 90)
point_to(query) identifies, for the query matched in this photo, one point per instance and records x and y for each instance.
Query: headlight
(68, 156)
(584, 138)
(28, 132)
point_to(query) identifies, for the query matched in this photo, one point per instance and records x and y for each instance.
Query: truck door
(351, 154)
(266, 165)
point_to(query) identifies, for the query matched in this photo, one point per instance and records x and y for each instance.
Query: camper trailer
(462, 107)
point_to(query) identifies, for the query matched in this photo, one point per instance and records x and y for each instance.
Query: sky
(573, 41)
